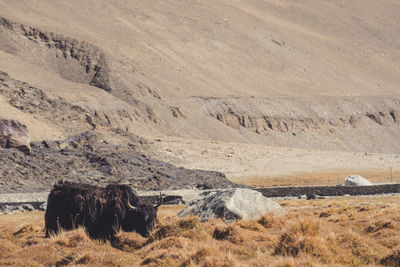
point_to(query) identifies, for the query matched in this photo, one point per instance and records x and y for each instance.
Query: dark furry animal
(102, 211)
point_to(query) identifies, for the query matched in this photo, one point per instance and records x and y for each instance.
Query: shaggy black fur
(102, 211)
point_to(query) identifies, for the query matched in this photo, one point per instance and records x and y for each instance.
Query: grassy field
(349, 231)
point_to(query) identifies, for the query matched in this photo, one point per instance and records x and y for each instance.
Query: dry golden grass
(350, 231)
(319, 178)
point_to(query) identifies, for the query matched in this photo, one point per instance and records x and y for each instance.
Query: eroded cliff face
(74, 60)
(335, 123)
(284, 74)
(263, 124)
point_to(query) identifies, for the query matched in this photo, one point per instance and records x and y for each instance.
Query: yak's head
(141, 219)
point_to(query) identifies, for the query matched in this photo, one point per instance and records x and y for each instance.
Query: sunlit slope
(314, 74)
(240, 48)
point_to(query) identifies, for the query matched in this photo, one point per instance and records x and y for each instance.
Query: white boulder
(356, 180)
(231, 205)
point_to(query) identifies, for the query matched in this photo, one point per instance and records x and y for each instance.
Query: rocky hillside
(87, 158)
(298, 74)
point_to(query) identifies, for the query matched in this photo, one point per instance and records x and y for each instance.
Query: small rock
(43, 206)
(356, 180)
(14, 135)
(9, 209)
(12, 208)
(27, 207)
(311, 196)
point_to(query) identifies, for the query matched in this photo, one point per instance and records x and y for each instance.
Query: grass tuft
(187, 227)
(72, 238)
(393, 259)
(270, 220)
(229, 233)
(302, 237)
(128, 241)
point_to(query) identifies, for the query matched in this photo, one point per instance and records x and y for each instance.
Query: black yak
(101, 211)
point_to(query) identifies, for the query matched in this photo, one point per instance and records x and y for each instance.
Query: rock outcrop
(85, 158)
(356, 180)
(231, 205)
(13, 134)
(74, 60)
(264, 124)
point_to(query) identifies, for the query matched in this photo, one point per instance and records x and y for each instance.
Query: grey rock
(231, 205)
(9, 209)
(13, 208)
(14, 135)
(5, 209)
(85, 159)
(311, 196)
(43, 206)
(356, 180)
(27, 207)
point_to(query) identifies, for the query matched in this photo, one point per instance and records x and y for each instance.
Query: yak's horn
(159, 201)
(129, 204)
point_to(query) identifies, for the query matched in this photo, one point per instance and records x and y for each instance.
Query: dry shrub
(165, 252)
(171, 242)
(6, 246)
(166, 231)
(163, 257)
(208, 257)
(188, 227)
(45, 253)
(32, 240)
(390, 242)
(189, 223)
(361, 249)
(251, 225)
(219, 261)
(302, 237)
(71, 239)
(67, 260)
(289, 262)
(270, 220)
(239, 252)
(19, 262)
(393, 259)
(29, 228)
(229, 233)
(151, 262)
(201, 257)
(128, 241)
(324, 214)
(379, 226)
(85, 258)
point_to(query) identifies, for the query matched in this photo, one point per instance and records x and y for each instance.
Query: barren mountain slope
(303, 74)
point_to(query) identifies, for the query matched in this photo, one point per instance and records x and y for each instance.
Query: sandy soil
(263, 165)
